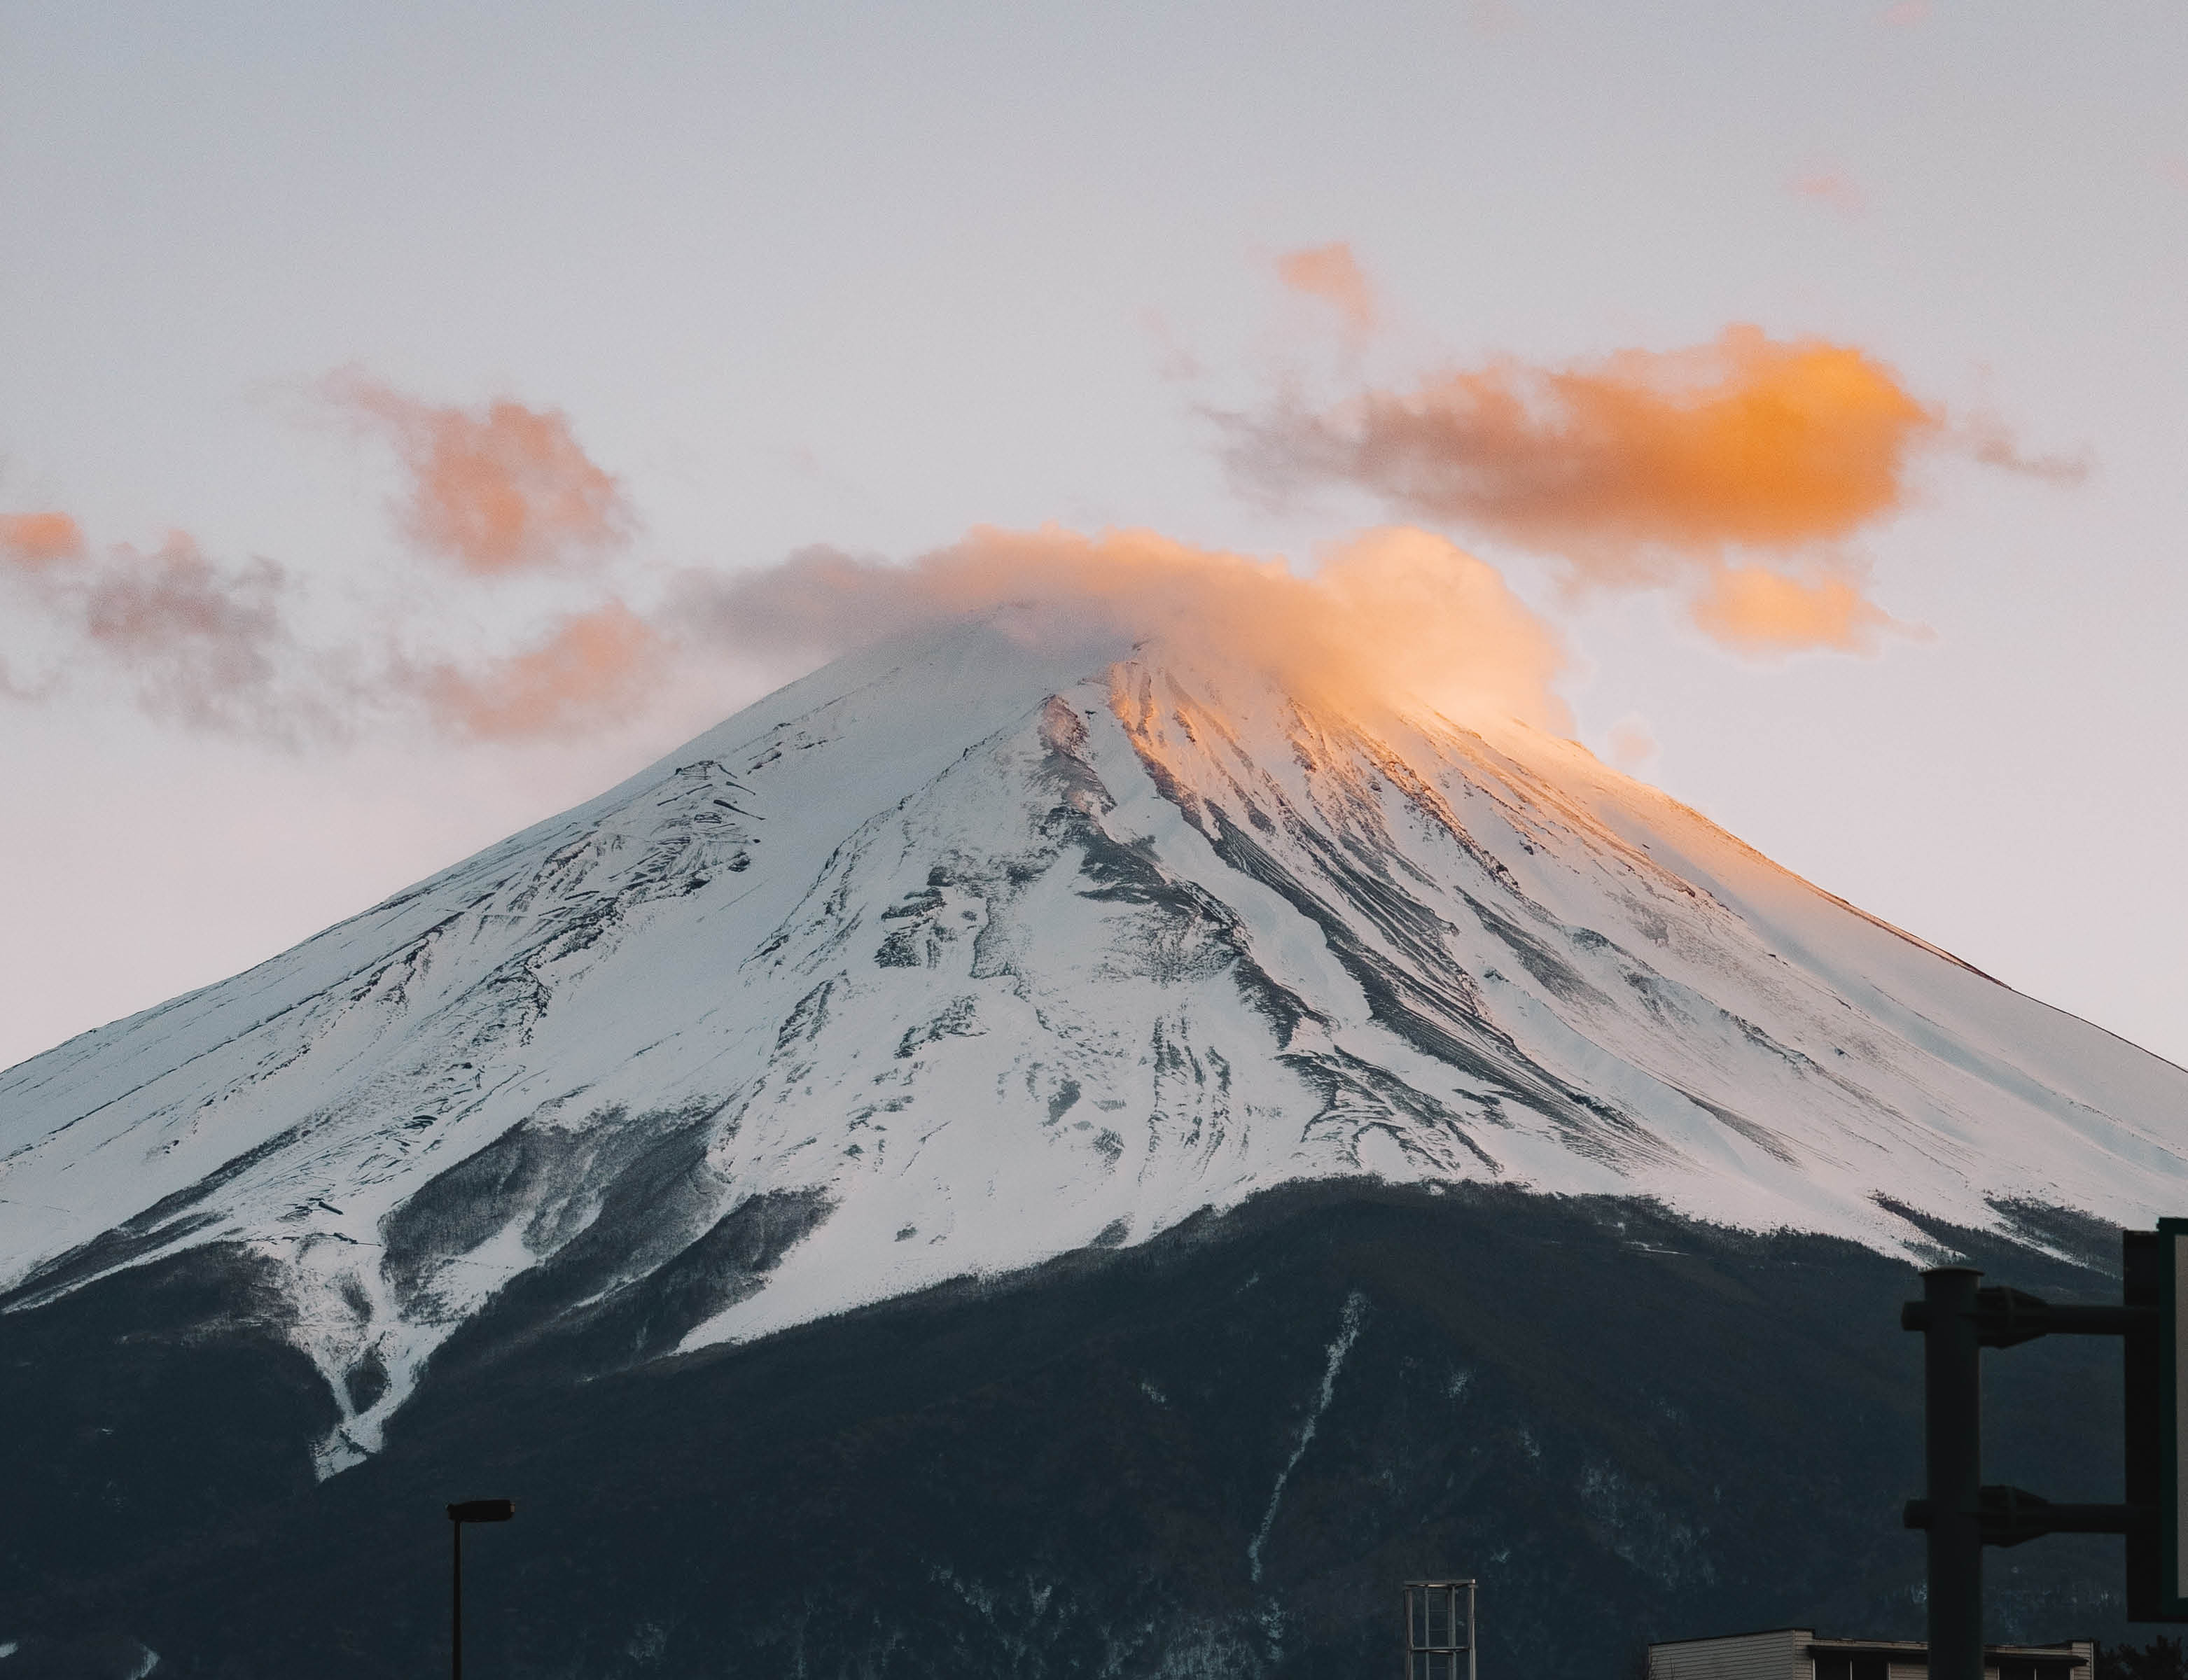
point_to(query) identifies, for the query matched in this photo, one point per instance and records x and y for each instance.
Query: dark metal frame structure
(1432, 1607)
(1958, 1318)
(2165, 1593)
(467, 1511)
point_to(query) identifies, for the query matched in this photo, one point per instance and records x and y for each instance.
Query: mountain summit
(970, 951)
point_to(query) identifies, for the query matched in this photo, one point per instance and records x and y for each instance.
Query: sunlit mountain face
(1057, 1154)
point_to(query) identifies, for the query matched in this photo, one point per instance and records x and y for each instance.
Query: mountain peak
(970, 950)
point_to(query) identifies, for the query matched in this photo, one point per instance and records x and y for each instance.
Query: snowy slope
(965, 952)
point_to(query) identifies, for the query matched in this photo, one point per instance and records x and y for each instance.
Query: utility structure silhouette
(1958, 1318)
(467, 1511)
(1440, 1643)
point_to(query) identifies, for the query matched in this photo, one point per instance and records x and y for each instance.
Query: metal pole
(1951, 1399)
(456, 1608)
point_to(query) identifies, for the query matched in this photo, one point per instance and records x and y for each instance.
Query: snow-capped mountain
(969, 951)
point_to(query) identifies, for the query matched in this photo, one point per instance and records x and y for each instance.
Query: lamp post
(467, 1511)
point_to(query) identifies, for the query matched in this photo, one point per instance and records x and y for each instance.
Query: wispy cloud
(1755, 609)
(1333, 275)
(193, 641)
(201, 642)
(188, 639)
(1987, 438)
(593, 668)
(1392, 614)
(497, 488)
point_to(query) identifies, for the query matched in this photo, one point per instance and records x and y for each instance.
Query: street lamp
(468, 1511)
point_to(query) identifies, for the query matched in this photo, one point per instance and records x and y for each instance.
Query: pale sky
(869, 276)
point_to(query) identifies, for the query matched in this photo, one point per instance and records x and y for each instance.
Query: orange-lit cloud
(1831, 187)
(1756, 609)
(1630, 467)
(498, 488)
(1330, 273)
(1733, 471)
(594, 666)
(33, 539)
(1390, 616)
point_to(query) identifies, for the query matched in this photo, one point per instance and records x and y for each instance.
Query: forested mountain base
(1220, 1450)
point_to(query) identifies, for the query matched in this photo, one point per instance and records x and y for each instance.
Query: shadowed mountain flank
(1229, 1443)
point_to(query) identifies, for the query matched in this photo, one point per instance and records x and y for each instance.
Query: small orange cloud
(1330, 273)
(1633, 468)
(499, 488)
(1831, 187)
(1905, 15)
(1756, 610)
(591, 668)
(39, 538)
